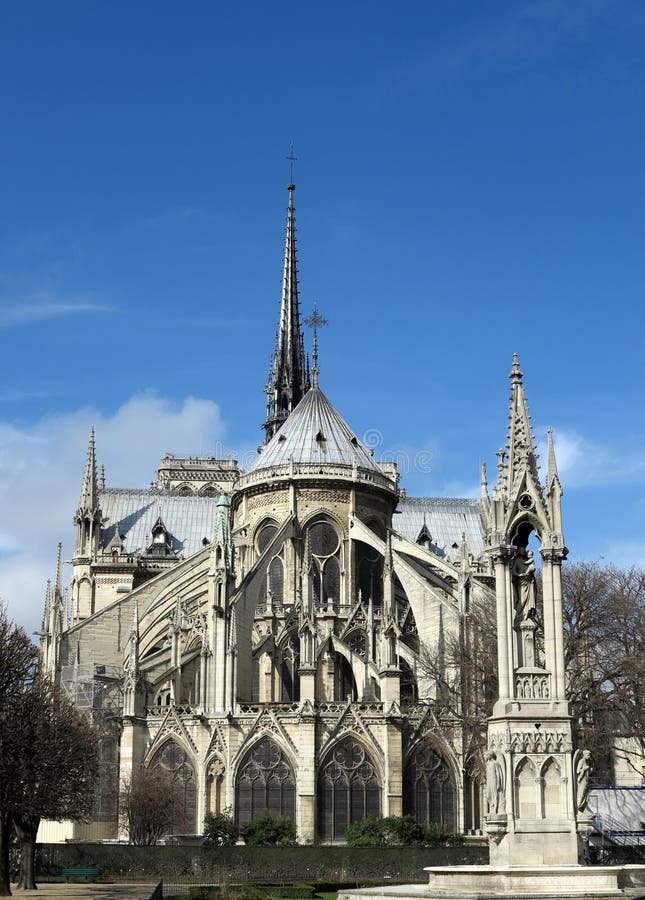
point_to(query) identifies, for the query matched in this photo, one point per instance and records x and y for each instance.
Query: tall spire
(288, 382)
(521, 449)
(89, 499)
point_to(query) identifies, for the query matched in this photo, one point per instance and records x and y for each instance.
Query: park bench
(80, 872)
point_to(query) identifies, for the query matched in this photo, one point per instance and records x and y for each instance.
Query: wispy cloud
(40, 474)
(517, 38)
(584, 463)
(31, 313)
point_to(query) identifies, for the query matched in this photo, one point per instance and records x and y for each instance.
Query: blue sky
(470, 183)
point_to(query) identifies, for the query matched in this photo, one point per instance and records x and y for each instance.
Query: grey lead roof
(446, 518)
(188, 520)
(314, 433)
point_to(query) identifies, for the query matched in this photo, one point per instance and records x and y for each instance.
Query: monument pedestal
(515, 883)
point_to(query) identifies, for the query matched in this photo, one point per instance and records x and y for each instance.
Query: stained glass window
(172, 758)
(265, 784)
(349, 790)
(428, 789)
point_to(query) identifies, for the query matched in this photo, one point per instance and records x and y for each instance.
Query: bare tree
(149, 803)
(47, 752)
(462, 666)
(18, 657)
(59, 772)
(604, 622)
(605, 656)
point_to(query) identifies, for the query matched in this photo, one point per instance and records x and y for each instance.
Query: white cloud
(583, 463)
(28, 313)
(40, 476)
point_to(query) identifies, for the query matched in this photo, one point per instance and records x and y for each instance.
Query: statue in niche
(495, 797)
(524, 584)
(583, 768)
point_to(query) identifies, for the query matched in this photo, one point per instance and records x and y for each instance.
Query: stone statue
(583, 775)
(524, 584)
(495, 798)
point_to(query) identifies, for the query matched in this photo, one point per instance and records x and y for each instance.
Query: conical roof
(314, 433)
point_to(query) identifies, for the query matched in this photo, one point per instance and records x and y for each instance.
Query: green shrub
(269, 831)
(393, 831)
(220, 830)
(436, 834)
(400, 831)
(366, 833)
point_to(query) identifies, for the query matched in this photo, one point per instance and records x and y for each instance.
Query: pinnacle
(516, 373)
(89, 488)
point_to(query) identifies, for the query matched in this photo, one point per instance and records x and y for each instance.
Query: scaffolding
(93, 688)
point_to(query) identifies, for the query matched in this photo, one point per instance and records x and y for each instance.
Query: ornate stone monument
(537, 787)
(534, 816)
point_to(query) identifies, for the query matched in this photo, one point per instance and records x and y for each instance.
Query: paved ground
(91, 891)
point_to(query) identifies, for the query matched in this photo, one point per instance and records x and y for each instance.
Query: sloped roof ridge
(471, 501)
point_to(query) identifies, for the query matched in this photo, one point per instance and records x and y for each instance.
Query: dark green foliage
(400, 831)
(220, 830)
(367, 833)
(269, 831)
(435, 835)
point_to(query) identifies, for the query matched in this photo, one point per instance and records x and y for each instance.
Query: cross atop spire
(315, 321)
(291, 159)
(288, 382)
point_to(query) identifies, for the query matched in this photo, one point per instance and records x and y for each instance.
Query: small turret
(222, 546)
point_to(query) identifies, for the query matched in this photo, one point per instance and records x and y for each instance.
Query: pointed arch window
(369, 563)
(325, 554)
(428, 788)
(525, 775)
(265, 784)
(349, 790)
(551, 790)
(473, 796)
(289, 663)
(276, 579)
(272, 586)
(172, 758)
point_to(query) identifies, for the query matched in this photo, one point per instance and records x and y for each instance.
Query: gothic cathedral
(281, 638)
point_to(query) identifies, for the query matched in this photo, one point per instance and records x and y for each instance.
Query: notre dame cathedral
(264, 634)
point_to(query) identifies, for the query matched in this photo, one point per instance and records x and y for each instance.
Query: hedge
(277, 865)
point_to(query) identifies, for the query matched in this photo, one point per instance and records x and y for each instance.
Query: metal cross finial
(315, 321)
(291, 159)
